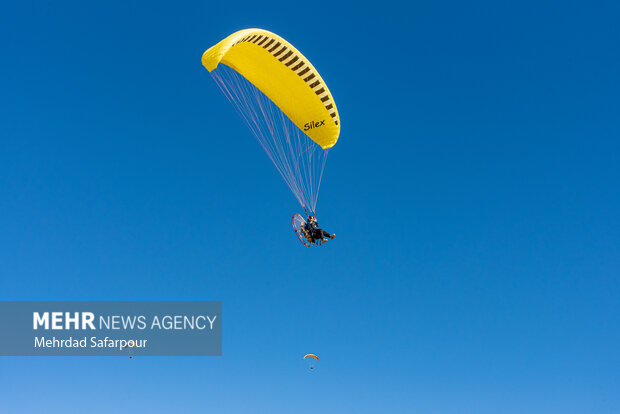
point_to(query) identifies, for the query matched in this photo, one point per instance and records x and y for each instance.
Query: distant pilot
(314, 233)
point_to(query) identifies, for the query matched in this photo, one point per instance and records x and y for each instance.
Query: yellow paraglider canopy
(285, 76)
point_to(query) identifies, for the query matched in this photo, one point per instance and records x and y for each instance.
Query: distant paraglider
(311, 361)
(130, 345)
(285, 103)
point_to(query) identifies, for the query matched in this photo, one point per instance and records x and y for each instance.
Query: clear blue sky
(474, 190)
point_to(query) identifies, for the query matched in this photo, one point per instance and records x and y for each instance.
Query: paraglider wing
(282, 73)
(283, 100)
